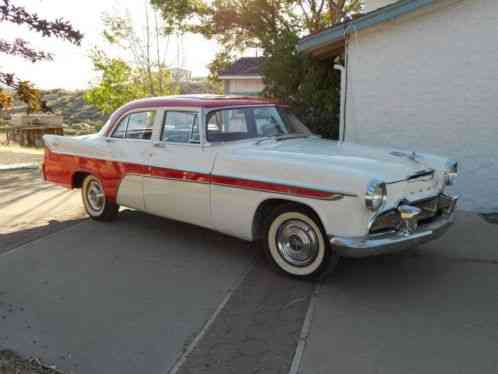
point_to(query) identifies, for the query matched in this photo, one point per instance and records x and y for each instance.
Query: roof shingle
(244, 66)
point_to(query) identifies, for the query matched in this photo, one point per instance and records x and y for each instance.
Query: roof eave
(235, 76)
(338, 33)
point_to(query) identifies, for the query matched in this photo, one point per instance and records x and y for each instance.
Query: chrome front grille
(430, 209)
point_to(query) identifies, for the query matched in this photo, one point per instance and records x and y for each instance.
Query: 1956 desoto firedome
(249, 168)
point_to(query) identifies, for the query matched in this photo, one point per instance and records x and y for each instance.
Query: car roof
(202, 101)
(187, 101)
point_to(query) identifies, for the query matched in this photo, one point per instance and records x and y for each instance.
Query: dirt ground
(14, 154)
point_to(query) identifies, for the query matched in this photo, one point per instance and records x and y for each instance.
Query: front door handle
(159, 145)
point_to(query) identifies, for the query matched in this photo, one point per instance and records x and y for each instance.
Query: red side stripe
(61, 169)
(180, 175)
(270, 187)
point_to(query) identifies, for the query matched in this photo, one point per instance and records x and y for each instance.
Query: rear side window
(229, 125)
(136, 125)
(120, 130)
(180, 127)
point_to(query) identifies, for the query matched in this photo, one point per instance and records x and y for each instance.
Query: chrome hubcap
(297, 242)
(95, 196)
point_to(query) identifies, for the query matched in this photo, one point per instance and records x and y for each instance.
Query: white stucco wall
(370, 5)
(429, 82)
(244, 86)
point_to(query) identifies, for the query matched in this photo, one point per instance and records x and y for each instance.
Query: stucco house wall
(370, 5)
(244, 86)
(428, 81)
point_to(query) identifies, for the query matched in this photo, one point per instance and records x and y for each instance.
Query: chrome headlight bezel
(375, 195)
(451, 172)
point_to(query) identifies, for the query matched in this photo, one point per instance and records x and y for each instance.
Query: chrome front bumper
(395, 241)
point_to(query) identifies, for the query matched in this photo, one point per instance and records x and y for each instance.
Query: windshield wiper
(290, 136)
(278, 138)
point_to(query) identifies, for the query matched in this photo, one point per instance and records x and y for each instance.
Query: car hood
(390, 165)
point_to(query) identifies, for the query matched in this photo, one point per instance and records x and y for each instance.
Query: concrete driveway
(30, 208)
(434, 310)
(145, 294)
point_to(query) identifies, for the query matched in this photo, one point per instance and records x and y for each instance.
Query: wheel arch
(268, 205)
(78, 177)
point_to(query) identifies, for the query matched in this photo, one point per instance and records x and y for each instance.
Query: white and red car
(249, 168)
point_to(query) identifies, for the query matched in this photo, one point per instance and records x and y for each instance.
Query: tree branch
(9, 80)
(21, 48)
(58, 28)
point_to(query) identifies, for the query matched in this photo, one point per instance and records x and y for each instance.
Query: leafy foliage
(116, 86)
(5, 101)
(30, 96)
(221, 62)
(310, 87)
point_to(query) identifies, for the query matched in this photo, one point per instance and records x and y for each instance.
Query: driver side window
(268, 122)
(180, 127)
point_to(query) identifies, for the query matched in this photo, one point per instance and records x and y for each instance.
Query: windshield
(247, 123)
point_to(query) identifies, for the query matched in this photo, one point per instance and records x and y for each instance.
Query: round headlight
(451, 172)
(376, 194)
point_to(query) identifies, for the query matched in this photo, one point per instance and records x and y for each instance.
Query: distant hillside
(81, 118)
(71, 105)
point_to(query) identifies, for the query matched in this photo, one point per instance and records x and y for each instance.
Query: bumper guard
(409, 236)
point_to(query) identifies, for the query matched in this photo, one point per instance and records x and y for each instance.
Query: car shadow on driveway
(402, 270)
(15, 239)
(118, 297)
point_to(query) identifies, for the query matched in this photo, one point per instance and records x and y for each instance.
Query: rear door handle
(159, 145)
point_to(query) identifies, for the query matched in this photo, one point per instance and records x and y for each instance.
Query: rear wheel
(296, 244)
(96, 204)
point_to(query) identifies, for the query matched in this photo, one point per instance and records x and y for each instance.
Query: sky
(71, 67)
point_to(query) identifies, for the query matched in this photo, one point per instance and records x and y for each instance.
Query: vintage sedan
(249, 168)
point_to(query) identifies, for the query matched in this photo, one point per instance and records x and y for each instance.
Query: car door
(130, 144)
(178, 185)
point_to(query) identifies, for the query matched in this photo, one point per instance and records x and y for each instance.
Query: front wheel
(296, 243)
(96, 204)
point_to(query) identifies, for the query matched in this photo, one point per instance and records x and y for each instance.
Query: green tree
(116, 86)
(221, 62)
(310, 86)
(142, 72)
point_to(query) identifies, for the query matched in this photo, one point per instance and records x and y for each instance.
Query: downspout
(342, 113)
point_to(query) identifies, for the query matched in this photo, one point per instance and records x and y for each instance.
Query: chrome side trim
(334, 196)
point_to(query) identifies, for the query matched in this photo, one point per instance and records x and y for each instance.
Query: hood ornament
(411, 156)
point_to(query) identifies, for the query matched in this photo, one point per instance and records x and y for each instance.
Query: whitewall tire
(96, 204)
(295, 242)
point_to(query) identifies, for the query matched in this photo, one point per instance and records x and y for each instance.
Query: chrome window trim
(137, 110)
